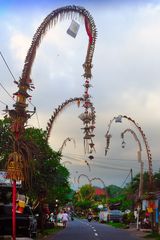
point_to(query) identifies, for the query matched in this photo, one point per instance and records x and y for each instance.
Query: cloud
(19, 45)
(125, 78)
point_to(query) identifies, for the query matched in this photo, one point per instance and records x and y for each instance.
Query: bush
(128, 218)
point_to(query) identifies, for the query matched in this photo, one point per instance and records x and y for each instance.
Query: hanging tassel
(88, 30)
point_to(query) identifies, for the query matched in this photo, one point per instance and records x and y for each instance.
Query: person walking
(65, 218)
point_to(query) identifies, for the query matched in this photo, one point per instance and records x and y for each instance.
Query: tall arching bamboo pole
(18, 162)
(148, 151)
(83, 175)
(61, 107)
(68, 139)
(139, 158)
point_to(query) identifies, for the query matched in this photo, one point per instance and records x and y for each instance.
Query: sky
(126, 80)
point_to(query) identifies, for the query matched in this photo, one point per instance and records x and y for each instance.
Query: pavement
(142, 233)
(17, 238)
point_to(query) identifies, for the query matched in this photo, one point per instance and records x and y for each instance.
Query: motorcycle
(89, 218)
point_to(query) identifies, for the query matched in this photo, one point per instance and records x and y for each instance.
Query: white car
(110, 215)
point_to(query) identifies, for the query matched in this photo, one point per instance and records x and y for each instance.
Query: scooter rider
(89, 216)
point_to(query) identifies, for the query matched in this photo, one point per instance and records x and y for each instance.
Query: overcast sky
(126, 79)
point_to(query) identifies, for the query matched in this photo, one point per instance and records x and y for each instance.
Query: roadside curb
(142, 233)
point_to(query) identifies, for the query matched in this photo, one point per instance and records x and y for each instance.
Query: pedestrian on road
(65, 218)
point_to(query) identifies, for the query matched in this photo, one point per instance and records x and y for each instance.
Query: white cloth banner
(73, 29)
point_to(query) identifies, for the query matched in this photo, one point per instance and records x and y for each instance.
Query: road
(83, 230)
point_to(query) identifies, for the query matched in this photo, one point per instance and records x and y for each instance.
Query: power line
(108, 168)
(11, 75)
(15, 81)
(7, 92)
(99, 165)
(96, 164)
(3, 103)
(125, 179)
(97, 161)
(108, 159)
(7, 66)
(121, 189)
(113, 159)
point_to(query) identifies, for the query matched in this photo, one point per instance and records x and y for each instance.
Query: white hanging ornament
(73, 29)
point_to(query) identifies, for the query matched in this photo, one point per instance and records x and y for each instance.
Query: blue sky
(125, 77)
(17, 4)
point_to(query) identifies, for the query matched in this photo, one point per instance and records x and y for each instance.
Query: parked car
(110, 215)
(26, 222)
(115, 216)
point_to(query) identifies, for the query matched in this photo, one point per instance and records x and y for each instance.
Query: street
(83, 230)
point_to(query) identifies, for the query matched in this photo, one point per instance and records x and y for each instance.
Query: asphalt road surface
(83, 230)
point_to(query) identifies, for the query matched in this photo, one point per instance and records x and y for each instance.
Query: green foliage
(117, 224)
(6, 142)
(125, 203)
(113, 190)
(157, 180)
(47, 232)
(84, 204)
(87, 191)
(49, 176)
(84, 197)
(155, 236)
(128, 218)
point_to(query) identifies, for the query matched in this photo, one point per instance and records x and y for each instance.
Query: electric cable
(98, 165)
(125, 179)
(15, 81)
(3, 103)
(7, 92)
(108, 159)
(99, 162)
(114, 159)
(7, 66)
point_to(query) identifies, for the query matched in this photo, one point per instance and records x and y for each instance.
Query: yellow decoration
(150, 210)
(15, 167)
(21, 204)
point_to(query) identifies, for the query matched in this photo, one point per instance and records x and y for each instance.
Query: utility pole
(131, 172)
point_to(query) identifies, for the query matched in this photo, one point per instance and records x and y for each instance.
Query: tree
(157, 180)
(48, 178)
(113, 190)
(84, 198)
(5, 141)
